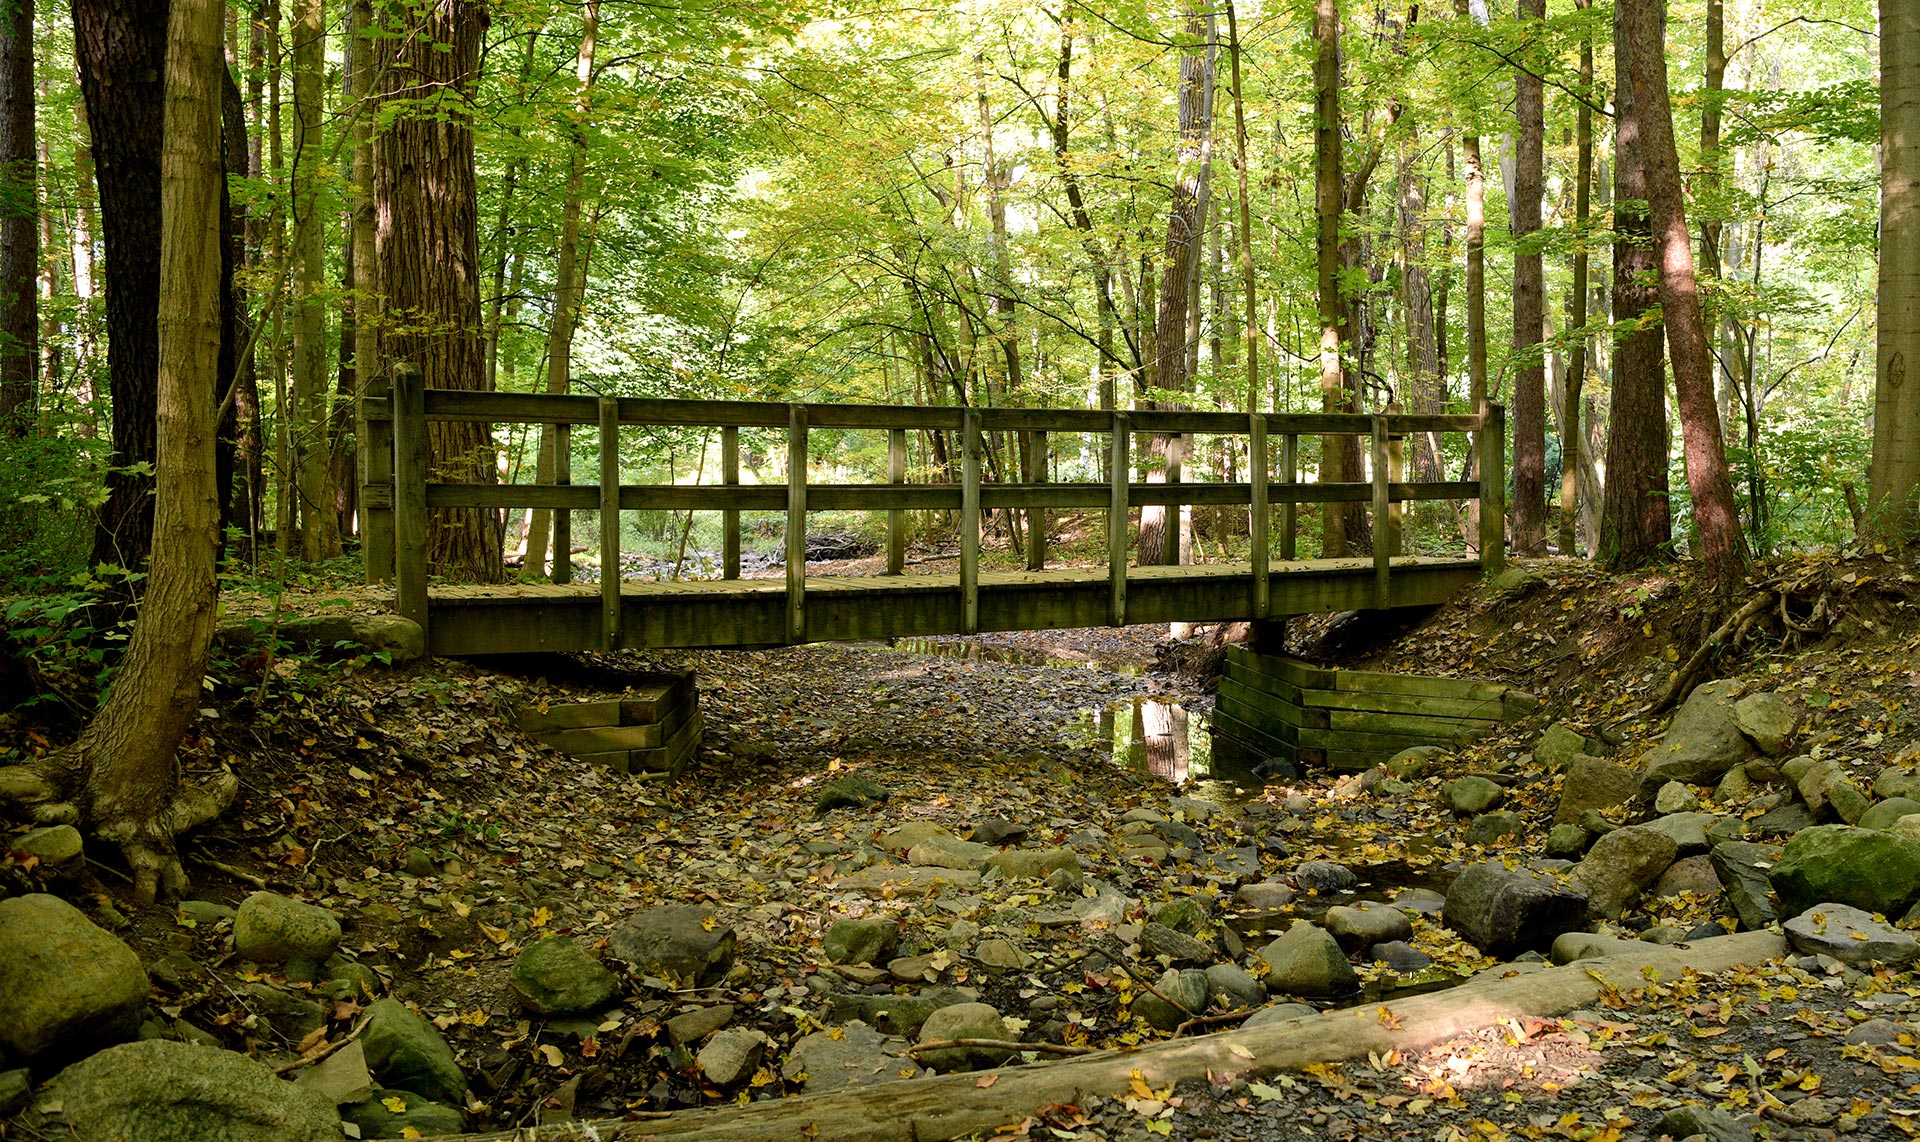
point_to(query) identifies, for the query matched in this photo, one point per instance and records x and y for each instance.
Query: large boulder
(1871, 870)
(1503, 911)
(1851, 936)
(1816, 782)
(160, 1090)
(1032, 864)
(868, 940)
(1472, 795)
(1742, 868)
(556, 976)
(1307, 961)
(901, 1015)
(732, 1055)
(1157, 941)
(1592, 783)
(853, 1055)
(1703, 741)
(684, 944)
(1364, 923)
(66, 984)
(1183, 995)
(271, 929)
(964, 1021)
(1560, 745)
(1620, 866)
(1884, 814)
(1767, 721)
(405, 1052)
(401, 1114)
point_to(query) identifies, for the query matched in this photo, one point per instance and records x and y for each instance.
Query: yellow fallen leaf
(985, 1081)
(539, 918)
(1237, 1049)
(395, 1103)
(552, 1055)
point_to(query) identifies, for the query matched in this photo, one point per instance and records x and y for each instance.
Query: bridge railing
(400, 496)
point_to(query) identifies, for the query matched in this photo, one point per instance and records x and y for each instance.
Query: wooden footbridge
(734, 612)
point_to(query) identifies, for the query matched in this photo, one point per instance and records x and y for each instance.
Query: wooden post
(376, 492)
(410, 493)
(1396, 474)
(1382, 541)
(1258, 519)
(1120, 469)
(1037, 516)
(563, 517)
(609, 523)
(897, 519)
(970, 523)
(1289, 511)
(1492, 442)
(796, 523)
(730, 518)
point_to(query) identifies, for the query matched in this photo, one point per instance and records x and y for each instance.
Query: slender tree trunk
(1327, 201)
(249, 502)
(19, 223)
(1244, 227)
(1426, 387)
(1893, 495)
(80, 246)
(427, 248)
(368, 302)
(499, 305)
(1636, 523)
(1723, 546)
(1572, 442)
(53, 337)
(319, 527)
(1529, 304)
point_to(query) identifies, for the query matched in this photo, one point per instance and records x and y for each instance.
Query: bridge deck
(754, 612)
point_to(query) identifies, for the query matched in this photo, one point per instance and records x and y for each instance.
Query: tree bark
(1636, 522)
(1893, 495)
(19, 223)
(1723, 546)
(1244, 225)
(1572, 442)
(368, 303)
(428, 251)
(1327, 202)
(1529, 303)
(319, 527)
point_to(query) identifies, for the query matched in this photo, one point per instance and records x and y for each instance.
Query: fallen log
(953, 1106)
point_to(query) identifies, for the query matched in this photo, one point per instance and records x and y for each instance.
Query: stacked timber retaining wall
(651, 731)
(1351, 719)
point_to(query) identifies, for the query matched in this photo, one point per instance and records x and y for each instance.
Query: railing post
(1258, 517)
(410, 493)
(1492, 442)
(1382, 530)
(897, 518)
(970, 522)
(376, 472)
(1396, 474)
(563, 517)
(609, 524)
(1120, 466)
(730, 518)
(1289, 511)
(796, 523)
(1037, 516)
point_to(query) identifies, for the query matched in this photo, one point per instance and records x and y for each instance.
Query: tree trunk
(125, 758)
(1529, 304)
(1723, 546)
(1636, 520)
(1244, 225)
(428, 251)
(1327, 203)
(1893, 495)
(1572, 443)
(19, 223)
(362, 68)
(319, 528)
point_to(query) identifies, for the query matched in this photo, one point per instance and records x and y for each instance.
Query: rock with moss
(160, 1090)
(556, 976)
(67, 985)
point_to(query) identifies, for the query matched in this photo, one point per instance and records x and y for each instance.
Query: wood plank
(970, 523)
(896, 517)
(1037, 457)
(796, 523)
(670, 758)
(1382, 543)
(410, 494)
(730, 517)
(1227, 726)
(1372, 682)
(1492, 443)
(1356, 741)
(1258, 512)
(376, 479)
(1120, 460)
(598, 739)
(1489, 709)
(1289, 509)
(562, 520)
(1387, 722)
(572, 715)
(609, 524)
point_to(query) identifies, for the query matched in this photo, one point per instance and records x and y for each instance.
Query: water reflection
(1165, 739)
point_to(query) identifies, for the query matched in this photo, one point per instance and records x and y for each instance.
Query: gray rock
(964, 1021)
(850, 791)
(1188, 989)
(693, 1026)
(1703, 741)
(868, 940)
(1365, 923)
(1157, 940)
(404, 1051)
(1230, 865)
(1783, 821)
(556, 976)
(1569, 947)
(1419, 902)
(1676, 797)
(1874, 1033)
(1816, 781)
(15, 1087)
(904, 882)
(1792, 769)
(341, 1077)
(912, 969)
(900, 841)
(1231, 988)
(1184, 914)
(1596, 824)
(66, 984)
(203, 912)
(961, 935)
(732, 1056)
(398, 637)
(1560, 745)
(1470, 796)
(1003, 955)
(270, 929)
(293, 1016)
(1592, 784)
(349, 980)
(1850, 936)
(998, 831)
(949, 852)
(1874, 871)
(1907, 828)
(1849, 803)
(1400, 956)
(1620, 866)
(376, 1117)
(1264, 896)
(1689, 832)
(1411, 762)
(1692, 874)
(1902, 780)
(1884, 814)
(1032, 864)
(160, 1089)
(1742, 867)
(684, 944)
(1280, 1013)
(1489, 829)
(1567, 841)
(1502, 911)
(1307, 961)
(1767, 721)
(899, 1015)
(53, 846)
(1703, 1122)
(1734, 786)
(1323, 876)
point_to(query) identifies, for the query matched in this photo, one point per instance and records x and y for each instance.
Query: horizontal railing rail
(399, 494)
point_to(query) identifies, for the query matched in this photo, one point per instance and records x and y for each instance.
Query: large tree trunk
(319, 527)
(428, 249)
(1723, 546)
(1572, 442)
(122, 768)
(1244, 224)
(1894, 486)
(19, 223)
(1327, 203)
(1636, 523)
(1529, 307)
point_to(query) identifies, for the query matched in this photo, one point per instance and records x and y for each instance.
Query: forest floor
(405, 801)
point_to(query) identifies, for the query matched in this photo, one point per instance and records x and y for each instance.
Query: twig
(234, 871)
(1001, 1045)
(1726, 634)
(324, 1050)
(111, 869)
(1142, 981)
(1212, 1021)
